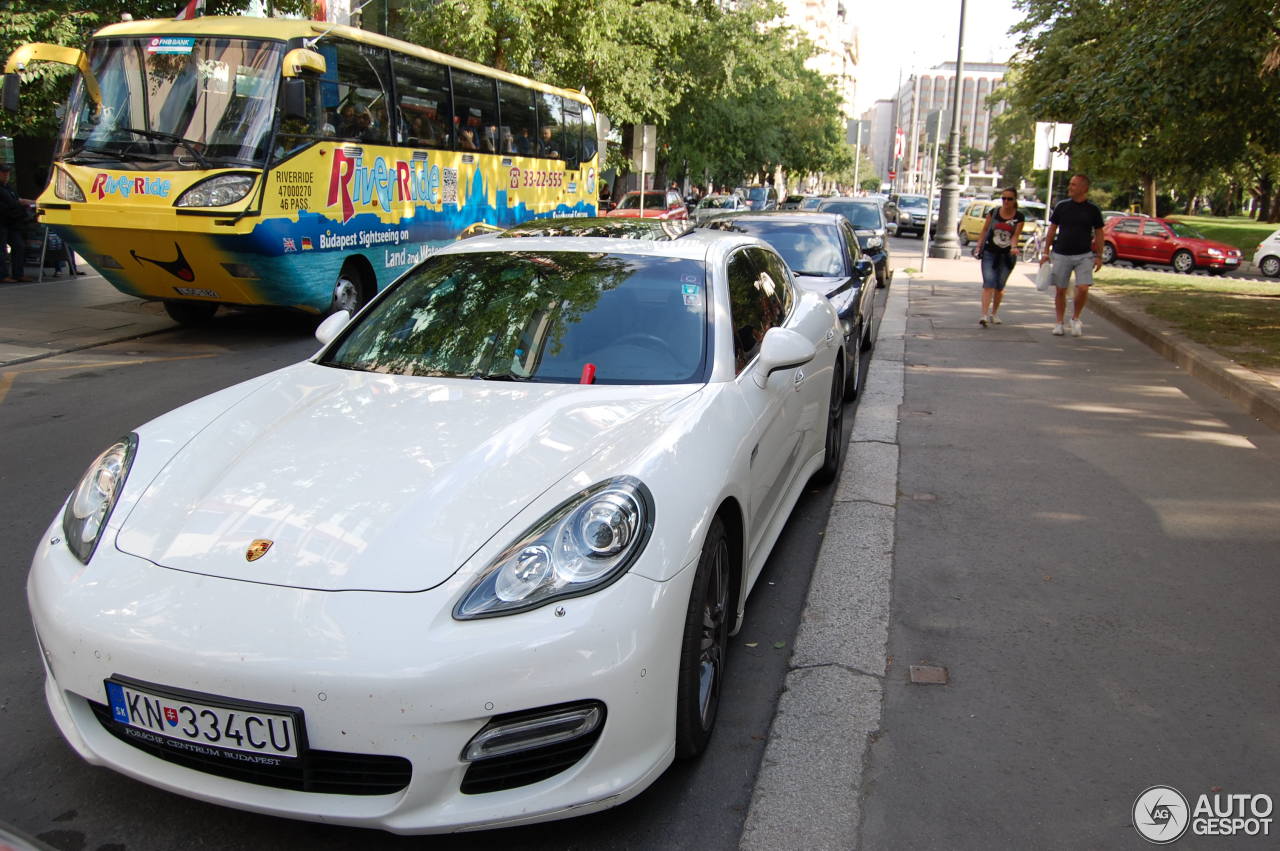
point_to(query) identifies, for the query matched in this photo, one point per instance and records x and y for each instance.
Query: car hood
(363, 481)
(823, 285)
(1203, 244)
(649, 213)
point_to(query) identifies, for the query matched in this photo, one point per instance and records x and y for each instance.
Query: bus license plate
(230, 725)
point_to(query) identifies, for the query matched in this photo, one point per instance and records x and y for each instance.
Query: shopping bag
(1044, 277)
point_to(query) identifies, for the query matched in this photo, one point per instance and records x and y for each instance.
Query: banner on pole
(1050, 136)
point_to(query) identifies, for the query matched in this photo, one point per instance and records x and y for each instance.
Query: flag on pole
(193, 10)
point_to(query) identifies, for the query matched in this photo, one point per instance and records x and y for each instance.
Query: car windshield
(912, 201)
(1180, 229)
(757, 193)
(631, 201)
(175, 102)
(1033, 209)
(537, 316)
(863, 215)
(716, 202)
(810, 203)
(808, 247)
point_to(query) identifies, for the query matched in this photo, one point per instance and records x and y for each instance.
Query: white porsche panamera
(473, 564)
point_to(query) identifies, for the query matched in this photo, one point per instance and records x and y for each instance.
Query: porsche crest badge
(257, 549)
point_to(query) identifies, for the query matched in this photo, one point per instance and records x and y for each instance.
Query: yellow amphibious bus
(230, 160)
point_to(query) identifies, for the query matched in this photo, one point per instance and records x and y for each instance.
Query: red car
(657, 205)
(1144, 240)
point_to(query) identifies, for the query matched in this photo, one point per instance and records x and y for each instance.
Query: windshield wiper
(87, 149)
(170, 137)
(498, 376)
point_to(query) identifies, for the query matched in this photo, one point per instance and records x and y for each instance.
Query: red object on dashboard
(588, 374)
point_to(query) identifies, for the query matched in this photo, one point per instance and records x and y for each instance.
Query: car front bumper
(383, 674)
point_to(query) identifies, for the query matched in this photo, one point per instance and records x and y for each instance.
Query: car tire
(190, 312)
(1108, 253)
(350, 291)
(868, 338)
(964, 238)
(853, 377)
(834, 439)
(704, 645)
(1183, 262)
(1270, 266)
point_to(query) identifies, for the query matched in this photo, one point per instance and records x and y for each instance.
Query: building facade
(932, 91)
(826, 24)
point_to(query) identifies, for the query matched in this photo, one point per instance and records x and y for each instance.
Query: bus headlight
(216, 191)
(65, 186)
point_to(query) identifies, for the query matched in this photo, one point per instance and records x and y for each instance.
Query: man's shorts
(1064, 263)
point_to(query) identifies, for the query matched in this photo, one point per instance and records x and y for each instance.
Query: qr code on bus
(450, 188)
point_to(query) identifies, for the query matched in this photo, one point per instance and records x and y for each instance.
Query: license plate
(205, 723)
(1231, 261)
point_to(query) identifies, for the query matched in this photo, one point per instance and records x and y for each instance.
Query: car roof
(615, 227)
(698, 244)
(798, 216)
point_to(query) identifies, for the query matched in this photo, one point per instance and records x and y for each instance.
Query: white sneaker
(993, 319)
(1077, 328)
(1057, 330)
(982, 320)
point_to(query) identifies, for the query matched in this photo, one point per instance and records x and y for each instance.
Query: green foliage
(1174, 90)
(730, 96)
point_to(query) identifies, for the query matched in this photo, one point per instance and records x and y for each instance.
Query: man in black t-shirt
(1075, 238)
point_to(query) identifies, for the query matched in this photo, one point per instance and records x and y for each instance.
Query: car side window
(1153, 229)
(773, 279)
(851, 240)
(1126, 226)
(756, 302)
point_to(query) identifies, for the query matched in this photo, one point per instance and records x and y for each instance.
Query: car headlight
(65, 187)
(585, 544)
(216, 191)
(91, 502)
(1213, 252)
(874, 242)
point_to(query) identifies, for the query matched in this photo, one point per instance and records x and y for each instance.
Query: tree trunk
(1265, 190)
(1273, 214)
(1149, 195)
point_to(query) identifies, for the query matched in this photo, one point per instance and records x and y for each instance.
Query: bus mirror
(295, 98)
(301, 61)
(12, 83)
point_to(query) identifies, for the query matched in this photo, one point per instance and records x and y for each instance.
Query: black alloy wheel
(704, 646)
(835, 430)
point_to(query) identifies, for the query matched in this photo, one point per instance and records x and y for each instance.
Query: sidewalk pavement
(820, 768)
(38, 320)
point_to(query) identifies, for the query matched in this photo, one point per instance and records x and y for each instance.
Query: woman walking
(998, 251)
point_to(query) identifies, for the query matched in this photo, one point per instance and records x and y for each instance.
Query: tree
(1155, 88)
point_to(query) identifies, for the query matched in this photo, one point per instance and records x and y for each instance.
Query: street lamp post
(946, 245)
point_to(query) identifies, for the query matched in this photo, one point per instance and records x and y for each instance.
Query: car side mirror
(329, 328)
(781, 348)
(862, 268)
(12, 88)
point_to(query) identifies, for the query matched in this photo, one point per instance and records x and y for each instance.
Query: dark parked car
(908, 212)
(800, 202)
(867, 218)
(823, 253)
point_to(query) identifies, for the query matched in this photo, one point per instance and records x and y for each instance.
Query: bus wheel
(190, 312)
(349, 291)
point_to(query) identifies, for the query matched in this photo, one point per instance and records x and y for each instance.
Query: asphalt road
(60, 412)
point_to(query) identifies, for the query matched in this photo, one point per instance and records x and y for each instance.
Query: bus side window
(475, 112)
(423, 88)
(589, 143)
(519, 119)
(571, 134)
(548, 126)
(362, 93)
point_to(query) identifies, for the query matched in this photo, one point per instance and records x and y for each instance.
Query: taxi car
(474, 563)
(974, 216)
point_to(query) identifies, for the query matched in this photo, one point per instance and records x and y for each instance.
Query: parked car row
(569, 449)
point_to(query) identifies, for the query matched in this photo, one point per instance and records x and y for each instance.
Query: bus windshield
(175, 102)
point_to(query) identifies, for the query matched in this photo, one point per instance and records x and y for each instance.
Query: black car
(868, 223)
(823, 253)
(908, 212)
